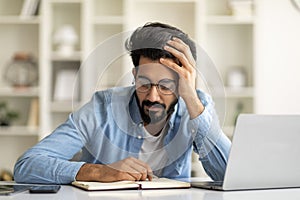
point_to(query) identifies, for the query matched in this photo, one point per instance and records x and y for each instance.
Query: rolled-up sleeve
(49, 161)
(210, 143)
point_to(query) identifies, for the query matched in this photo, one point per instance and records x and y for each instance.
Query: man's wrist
(194, 106)
(88, 172)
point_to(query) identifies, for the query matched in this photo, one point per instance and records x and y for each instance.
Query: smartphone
(44, 189)
(12, 189)
(6, 189)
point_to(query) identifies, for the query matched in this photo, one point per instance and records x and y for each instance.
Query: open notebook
(159, 183)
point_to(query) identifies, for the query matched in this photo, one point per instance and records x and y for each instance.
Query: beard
(159, 113)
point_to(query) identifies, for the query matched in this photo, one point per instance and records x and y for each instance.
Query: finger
(138, 168)
(136, 175)
(113, 173)
(181, 51)
(138, 172)
(139, 162)
(128, 172)
(181, 46)
(172, 65)
(179, 55)
(143, 167)
(130, 176)
(150, 176)
(182, 59)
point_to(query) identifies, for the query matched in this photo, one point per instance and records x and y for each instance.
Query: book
(66, 85)
(29, 8)
(158, 183)
(140, 194)
(33, 116)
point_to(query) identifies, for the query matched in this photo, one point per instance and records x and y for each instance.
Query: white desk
(72, 193)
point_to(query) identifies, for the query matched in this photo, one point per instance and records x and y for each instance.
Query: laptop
(264, 154)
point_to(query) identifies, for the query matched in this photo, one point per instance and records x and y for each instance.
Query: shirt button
(140, 124)
(139, 137)
(193, 130)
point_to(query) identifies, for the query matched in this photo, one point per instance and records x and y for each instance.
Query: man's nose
(153, 94)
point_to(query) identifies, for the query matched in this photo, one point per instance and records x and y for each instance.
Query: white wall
(277, 75)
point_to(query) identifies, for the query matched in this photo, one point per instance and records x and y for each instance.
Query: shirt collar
(134, 109)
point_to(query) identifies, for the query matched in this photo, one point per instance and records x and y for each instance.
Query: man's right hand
(130, 169)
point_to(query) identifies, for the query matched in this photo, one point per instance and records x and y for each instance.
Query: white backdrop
(277, 55)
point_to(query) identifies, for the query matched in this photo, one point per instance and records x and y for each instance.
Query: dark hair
(149, 40)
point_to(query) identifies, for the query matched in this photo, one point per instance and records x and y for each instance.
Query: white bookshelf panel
(66, 14)
(19, 92)
(19, 131)
(108, 8)
(180, 14)
(20, 38)
(231, 46)
(9, 7)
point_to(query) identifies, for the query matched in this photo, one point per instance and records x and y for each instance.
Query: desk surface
(72, 193)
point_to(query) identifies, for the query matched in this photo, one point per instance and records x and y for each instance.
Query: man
(133, 133)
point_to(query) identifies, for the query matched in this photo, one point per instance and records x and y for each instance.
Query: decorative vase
(22, 70)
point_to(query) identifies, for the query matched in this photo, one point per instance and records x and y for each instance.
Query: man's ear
(134, 72)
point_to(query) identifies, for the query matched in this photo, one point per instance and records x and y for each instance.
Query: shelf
(230, 92)
(169, 1)
(19, 92)
(64, 106)
(19, 20)
(76, 56)
(227, 19)
(66, 1)
(18, 131)
(243, 92)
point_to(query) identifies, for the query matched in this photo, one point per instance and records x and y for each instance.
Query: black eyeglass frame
(161, 88)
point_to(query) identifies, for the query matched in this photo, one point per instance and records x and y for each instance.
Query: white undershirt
(153, 153)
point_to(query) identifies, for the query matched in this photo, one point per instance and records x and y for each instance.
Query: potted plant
(6, 115)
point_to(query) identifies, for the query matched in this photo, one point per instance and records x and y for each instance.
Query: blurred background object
(22, 70)
(7, 116)
(241, 8)
(6, 175)
(66, 39)
(296, 4)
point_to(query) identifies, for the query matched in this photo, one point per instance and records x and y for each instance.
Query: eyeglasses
(164, 86)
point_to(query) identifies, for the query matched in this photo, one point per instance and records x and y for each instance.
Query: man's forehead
(156, 71)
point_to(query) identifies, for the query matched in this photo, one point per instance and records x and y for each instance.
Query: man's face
(156, 102)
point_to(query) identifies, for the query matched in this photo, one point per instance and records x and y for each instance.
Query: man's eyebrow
(141, 76)
(166, 79)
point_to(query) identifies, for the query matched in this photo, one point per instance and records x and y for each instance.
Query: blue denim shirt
(109, 128)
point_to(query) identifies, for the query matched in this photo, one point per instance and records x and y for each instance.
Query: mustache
(149, 104)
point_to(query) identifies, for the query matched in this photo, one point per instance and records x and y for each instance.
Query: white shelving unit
(55, 15)
(17, 35)
(227, 39)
